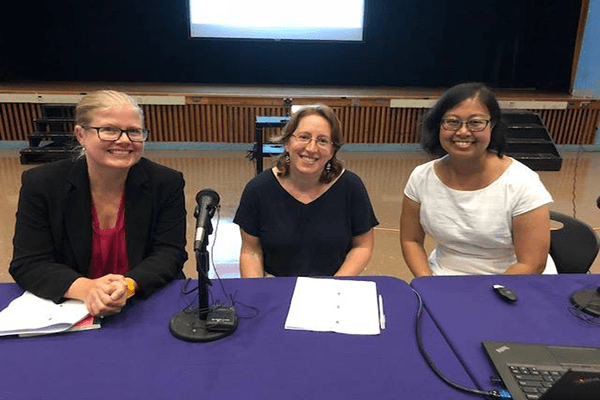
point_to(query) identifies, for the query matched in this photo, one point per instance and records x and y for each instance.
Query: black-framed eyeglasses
(111, 133)
(473, 125)
(322, 141)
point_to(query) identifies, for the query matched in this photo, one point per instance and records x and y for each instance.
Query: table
(134, 355)
(260, 123)
(467, 311)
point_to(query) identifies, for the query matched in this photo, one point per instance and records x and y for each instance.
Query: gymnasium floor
(574, 189)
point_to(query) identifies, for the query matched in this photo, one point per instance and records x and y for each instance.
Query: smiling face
(309, 158)
(463, 142)
(121, 154)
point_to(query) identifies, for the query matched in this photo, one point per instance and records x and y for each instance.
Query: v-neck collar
(314, 200)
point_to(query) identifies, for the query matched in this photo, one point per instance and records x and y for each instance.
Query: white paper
(332, 305)
(31, 314)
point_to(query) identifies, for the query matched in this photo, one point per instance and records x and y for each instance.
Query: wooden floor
(574, 189)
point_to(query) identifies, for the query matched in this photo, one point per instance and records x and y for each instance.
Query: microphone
(598, 202)
(204, 323)
(208, 201)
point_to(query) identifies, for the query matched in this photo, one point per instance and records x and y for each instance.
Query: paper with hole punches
(332, 305)
(29, 314)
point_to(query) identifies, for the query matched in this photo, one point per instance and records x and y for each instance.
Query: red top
(109, 249)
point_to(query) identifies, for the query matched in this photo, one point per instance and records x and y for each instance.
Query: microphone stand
(190, 324)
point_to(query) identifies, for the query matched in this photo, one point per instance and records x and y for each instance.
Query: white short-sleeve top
(473, 229)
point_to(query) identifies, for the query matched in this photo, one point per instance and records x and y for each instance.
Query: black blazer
(53, 233)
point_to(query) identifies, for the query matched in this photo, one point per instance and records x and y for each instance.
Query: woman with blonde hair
(106, 225)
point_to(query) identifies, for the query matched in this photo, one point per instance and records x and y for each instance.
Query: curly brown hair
(336, 137)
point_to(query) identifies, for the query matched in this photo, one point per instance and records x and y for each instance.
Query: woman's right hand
(104, 295)
(412, 238)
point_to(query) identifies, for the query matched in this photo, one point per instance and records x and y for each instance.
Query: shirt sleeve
(166, 255)
(528, 191)
(247, 214)
(34, 266)
(411, 190)
(363, 216)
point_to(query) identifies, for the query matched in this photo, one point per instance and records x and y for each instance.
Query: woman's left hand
(104, 295)
(359, 255)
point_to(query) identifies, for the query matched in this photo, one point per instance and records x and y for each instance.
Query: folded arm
(164, 262)
(34, 266)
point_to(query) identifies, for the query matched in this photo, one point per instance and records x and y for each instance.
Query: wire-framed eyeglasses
(473, 125)
(321, 141)
(112, 134)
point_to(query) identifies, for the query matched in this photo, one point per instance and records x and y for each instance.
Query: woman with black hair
(487, 212)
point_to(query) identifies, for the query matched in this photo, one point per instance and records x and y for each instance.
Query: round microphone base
(187, 325)
(587, 301)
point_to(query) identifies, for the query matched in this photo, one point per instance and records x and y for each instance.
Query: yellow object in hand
(130, 287)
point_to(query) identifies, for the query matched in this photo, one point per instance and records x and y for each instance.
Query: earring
(328, 166)
(287, 158)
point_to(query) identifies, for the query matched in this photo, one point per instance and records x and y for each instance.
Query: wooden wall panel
(17, 120)
(571, 126)
(234, 123)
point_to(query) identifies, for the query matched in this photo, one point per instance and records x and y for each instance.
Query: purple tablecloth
(134, 356)
(467, 311)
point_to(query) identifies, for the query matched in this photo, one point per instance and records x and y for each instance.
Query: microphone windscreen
(208, 193)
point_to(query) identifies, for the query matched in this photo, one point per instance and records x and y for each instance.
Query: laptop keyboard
(534, 381)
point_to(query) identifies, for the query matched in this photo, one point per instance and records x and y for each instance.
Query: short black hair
(430, 125)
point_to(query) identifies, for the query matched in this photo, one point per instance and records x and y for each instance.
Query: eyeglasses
(474, 125)
(322, 141)
(112, 134)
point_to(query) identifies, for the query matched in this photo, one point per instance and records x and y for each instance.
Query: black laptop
(544, 372)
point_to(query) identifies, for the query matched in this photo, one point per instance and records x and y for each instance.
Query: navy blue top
(300, 239)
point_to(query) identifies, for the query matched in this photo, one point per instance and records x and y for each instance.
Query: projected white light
(277, 19)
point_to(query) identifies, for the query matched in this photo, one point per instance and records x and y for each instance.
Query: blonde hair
(99, 101)
(103, 100)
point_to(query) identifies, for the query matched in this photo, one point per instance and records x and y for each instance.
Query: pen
(381, 314)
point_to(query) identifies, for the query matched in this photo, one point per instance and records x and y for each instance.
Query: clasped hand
(106, 295)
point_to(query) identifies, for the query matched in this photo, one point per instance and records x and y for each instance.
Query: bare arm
(359, 255)
(531, 237)
(412, 238)
(251, 257)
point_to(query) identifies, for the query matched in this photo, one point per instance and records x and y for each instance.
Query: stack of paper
(331, 305)
(29, 314)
